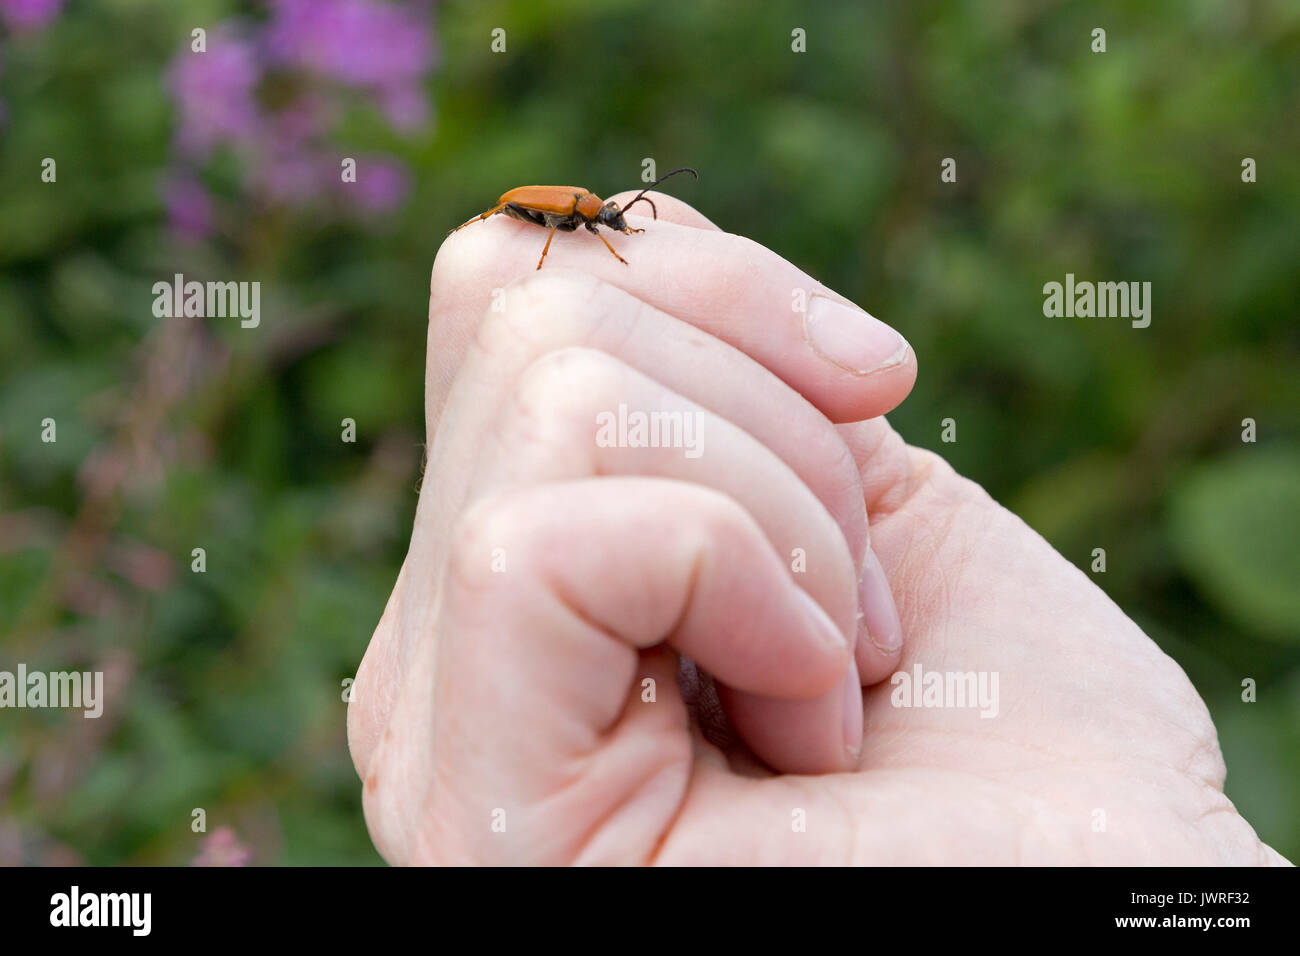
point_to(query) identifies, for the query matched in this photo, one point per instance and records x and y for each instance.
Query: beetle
(568, 207)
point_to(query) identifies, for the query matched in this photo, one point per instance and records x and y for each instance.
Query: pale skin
(501, 712)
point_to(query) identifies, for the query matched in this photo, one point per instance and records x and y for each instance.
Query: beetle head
(641, 196)
(610, 215)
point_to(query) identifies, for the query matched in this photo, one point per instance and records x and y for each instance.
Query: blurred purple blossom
(28, 14)
(379, 47)
(304, 119)
(294, 177)
(222, 848)
(381, 183)
(405, 106)
(271, 94)
(189, 209)
(216, 94)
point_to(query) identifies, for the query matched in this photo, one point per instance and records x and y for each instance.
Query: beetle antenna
(641, 197)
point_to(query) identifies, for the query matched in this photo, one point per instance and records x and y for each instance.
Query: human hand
(520, 689)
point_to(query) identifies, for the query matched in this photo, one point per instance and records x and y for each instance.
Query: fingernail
(821, 623)
(853, 711)
(850, 338)
(879, 614)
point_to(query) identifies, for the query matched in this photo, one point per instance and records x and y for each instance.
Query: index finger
(847, 363)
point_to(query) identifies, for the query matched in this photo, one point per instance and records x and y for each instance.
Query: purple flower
(304, 120)
(381, 184)
(369, 45)
(189, 209)
(273, 93)
(29, 14)
(292, 177)
(405, 106)
(360, 42)
(215, 93)
(222, 848)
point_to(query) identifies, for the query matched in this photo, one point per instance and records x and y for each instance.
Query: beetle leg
(546, 247)
(592, 228)
(491, 212)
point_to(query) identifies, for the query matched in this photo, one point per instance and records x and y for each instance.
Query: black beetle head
(642, 197)
(610, 215)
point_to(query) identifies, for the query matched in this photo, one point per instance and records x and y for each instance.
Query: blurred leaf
(1236, 527)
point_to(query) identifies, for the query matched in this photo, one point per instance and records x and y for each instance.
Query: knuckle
(548, 422)
(540, 311)
(565, 383)
(723, 522)
(486, 529)
(557, 289)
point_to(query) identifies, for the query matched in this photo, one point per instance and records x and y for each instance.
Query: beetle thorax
(589, 206)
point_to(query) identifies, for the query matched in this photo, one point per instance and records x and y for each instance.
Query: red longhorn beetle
(568, 207)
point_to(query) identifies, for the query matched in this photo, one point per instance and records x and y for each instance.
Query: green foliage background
(1124, 165)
